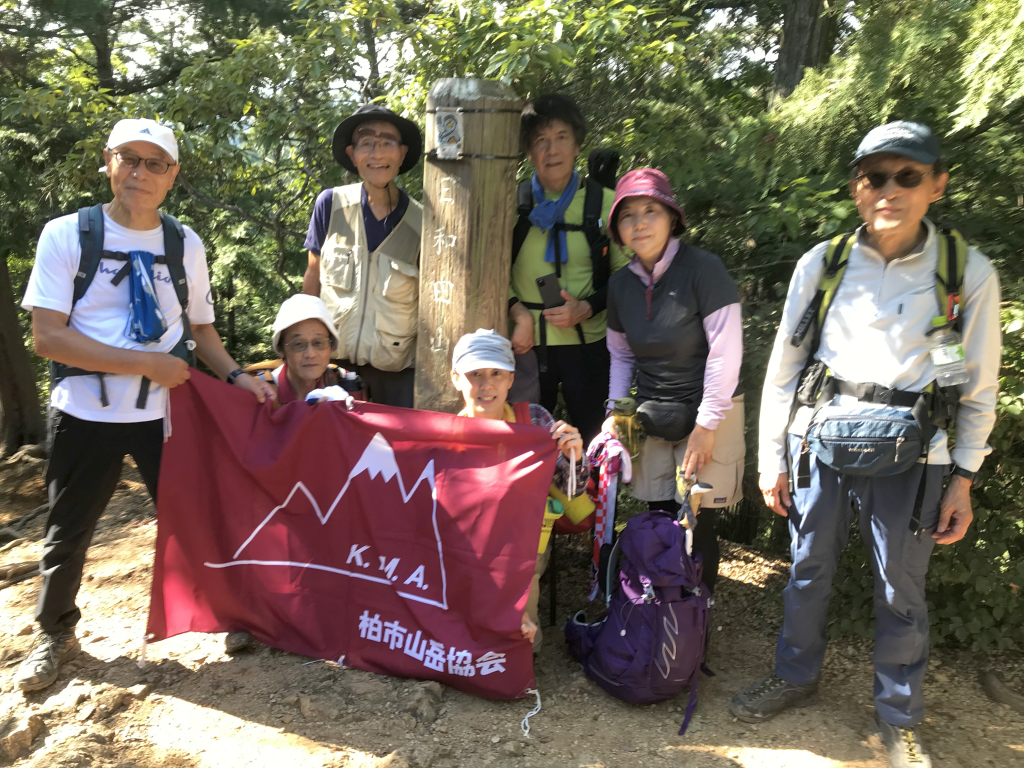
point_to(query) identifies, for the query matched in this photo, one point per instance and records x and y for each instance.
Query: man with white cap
(483, 369)
(120, 299)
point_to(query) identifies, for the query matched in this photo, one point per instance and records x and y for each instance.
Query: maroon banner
(400, 541)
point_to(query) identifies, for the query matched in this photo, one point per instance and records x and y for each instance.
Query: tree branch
(195, 194)
(138, 85)
(1015, 110)
(274, 225)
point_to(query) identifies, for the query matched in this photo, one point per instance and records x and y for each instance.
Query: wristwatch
(234, 375)
(959, 471)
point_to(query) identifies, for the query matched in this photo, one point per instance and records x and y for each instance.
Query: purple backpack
(650, 645)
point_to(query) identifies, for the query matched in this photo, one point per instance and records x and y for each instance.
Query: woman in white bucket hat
(304, 337)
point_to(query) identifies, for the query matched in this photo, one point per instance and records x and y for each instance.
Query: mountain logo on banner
(278, 539)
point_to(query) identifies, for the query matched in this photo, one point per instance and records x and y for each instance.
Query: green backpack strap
(949, 277)
(836, 258)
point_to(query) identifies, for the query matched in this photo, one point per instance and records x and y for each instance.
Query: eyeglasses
(298, 347)
(907, 178)
(560, 142)
(153, 164)
(368, 143)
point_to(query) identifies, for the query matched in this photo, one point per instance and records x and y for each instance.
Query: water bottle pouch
(875, 441)
(946, 355)
(812, 379)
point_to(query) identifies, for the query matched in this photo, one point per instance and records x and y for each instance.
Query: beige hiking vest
(373, 297)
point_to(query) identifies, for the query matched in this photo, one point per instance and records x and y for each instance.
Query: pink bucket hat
(645, 182)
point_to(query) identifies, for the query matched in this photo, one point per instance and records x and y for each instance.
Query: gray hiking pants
(819, 525)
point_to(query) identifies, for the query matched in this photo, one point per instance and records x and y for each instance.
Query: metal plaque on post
(450, 133)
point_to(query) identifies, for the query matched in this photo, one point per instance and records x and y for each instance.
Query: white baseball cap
(144, 129)
(301, 307)
(483, 349)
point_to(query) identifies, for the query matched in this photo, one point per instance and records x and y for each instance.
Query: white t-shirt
(102, 313)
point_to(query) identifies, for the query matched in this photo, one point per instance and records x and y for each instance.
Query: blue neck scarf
(546, 213)
(146, 322)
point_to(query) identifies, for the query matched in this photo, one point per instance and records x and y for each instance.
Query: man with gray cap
(120, 298)
(889, 337)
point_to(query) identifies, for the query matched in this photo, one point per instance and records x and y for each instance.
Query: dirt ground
(193, 706)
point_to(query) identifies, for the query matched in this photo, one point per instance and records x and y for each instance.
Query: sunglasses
(907, 178)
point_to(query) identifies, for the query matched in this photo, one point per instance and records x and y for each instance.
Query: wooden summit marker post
(472, 143)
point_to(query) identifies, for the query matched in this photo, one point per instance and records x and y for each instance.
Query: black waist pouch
(668, 420)
(812, 378)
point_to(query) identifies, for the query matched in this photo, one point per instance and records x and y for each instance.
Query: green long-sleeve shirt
(577, 271)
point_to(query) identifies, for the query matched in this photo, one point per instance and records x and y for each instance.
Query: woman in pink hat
(674, 321)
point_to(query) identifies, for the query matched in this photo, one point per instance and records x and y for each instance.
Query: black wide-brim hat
(407, 129)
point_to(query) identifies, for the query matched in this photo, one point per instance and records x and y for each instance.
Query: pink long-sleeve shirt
(724, 332)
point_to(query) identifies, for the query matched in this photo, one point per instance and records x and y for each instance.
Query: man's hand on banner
(166, 370)
(261, 389)
(569, 441)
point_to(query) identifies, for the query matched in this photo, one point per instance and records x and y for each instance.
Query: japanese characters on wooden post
(472, 143)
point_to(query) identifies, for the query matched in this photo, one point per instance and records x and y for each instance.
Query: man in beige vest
(364, 248)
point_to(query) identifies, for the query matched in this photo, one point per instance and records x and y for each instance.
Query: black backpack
(597, 239)
(90, 237)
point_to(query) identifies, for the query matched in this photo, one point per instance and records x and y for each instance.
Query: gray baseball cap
(483, 349)
(913, 140)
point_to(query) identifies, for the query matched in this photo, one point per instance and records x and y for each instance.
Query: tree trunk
(809, 32)
(371, 89)
(22, 420)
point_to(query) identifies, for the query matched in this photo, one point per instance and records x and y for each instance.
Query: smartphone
(550, 291)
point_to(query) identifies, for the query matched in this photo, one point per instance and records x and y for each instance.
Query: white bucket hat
(301, 307)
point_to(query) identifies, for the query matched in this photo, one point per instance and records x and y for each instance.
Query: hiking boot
(765, 699)
(904, 747)
(237, 642)
(41, 667)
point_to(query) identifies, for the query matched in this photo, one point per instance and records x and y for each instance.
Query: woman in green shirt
(566, 238)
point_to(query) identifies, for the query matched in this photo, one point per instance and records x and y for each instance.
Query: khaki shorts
(654, 476)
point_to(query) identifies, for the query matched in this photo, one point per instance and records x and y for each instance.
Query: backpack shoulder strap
(522, 412)
(593, 202)
(90, 237)
(598, 240)
(949, 274)
(174, 253)
(836, 258)
(524, 204)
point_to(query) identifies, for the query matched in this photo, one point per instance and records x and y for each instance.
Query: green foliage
(256, 89)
